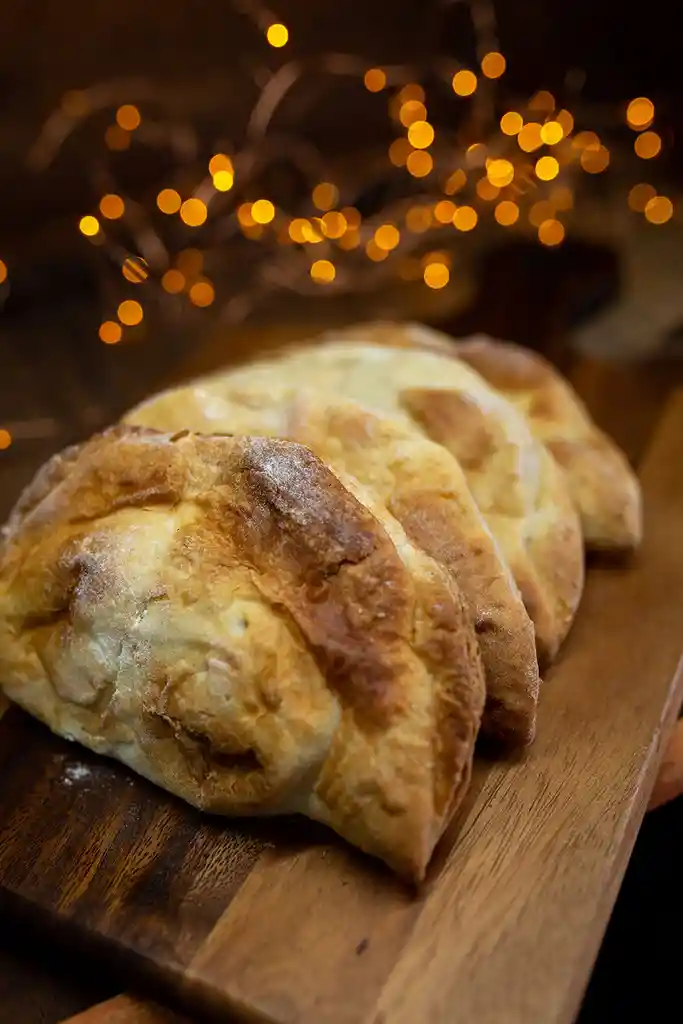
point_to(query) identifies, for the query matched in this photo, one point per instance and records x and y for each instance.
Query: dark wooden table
(45, 379)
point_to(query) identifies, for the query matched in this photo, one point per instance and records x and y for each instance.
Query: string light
(506, 213)
(350, 239)
(334, 224)
(262, 211)
(419, 163)
(193, 212)
(110, 332)
(412, 111)
(640, 113)
(552, 132)
(277, 35)
(640, 196)
(529, 137)
(220, 162)
(399, 151)
(112, 206)
(659, 210)
(129, 312)
(464, 82)
(419, 219)
(647, 145)
(373, 251)
(202, 293)
(486, 191)
(493, 64)
(500, 172)
(436, 275)
(169, 201)
(547, 168)
(387, 236)
(495, 170)
(374, 79)
(3, 271)
(223, 180)
(465, 218)
(413, 91)
(244, 216)
(89, 226)
(587, 140)
(565, 121)
(325, 195)
(511, 123)
(352, 215)
(128, 117)
(135, 269)
(116, 138)
(542, 101)
(444, 211)
(551, 232)
(595, 160)
(5, 439)
(323, 271)
(421, 134)
(173, 281)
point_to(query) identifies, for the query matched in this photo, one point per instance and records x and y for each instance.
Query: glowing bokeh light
(464, 82)
(647, 145)
(128, 117)
(493, 64)
(325, 195)
(506, 213)
(511, 123)
(112, 206)
(421, 134)
(465, 218)
(277, 35)
(419, 163)
(323, 271)
(193, 212)
(659, 210)
(129, 312)
(202, 293)
(110, 332)
(374, 79)
(436, 275)
(169, 201)
(89, 226)
(551, 232)
(640, 112)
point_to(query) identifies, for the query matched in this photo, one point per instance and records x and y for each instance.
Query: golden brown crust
(602, 484)
(223, 615)
(543, 541)
(394, 368)
(421, 485)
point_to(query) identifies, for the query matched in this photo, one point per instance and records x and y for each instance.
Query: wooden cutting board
(280, 923)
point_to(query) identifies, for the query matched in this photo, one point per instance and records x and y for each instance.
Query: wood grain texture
(280, 923)
(127, 1010)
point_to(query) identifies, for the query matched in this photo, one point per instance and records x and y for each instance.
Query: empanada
(421, 485)
(515, 482)
(224, 616)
